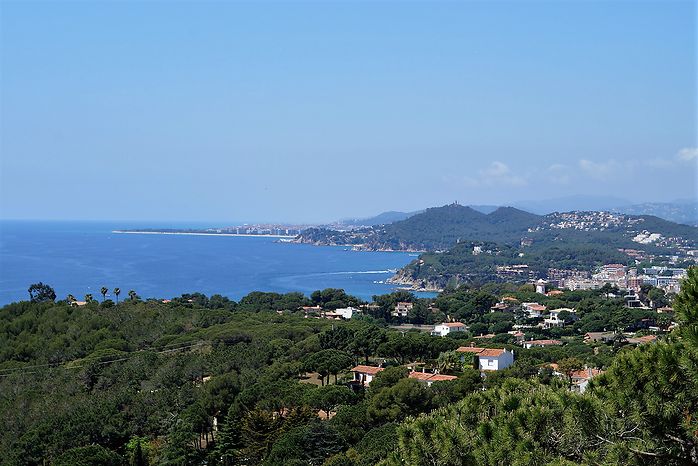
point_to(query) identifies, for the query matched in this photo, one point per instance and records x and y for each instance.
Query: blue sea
(81, 257)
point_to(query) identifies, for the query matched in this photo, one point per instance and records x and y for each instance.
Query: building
(541, 286)
(541, 343)
(447, 327)
(599, 337)
(347, 312)
(580, 379)
(365, 374)
(642, 340)
(402, 309)
(533, 309)
(554, 320)
(429, 378)
(489, 359)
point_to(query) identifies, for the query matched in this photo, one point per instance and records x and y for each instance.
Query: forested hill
(435, 228)
(439, 228)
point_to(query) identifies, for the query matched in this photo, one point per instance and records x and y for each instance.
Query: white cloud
(599, 170)
(687, 154)
(496, 174)
(499, 173)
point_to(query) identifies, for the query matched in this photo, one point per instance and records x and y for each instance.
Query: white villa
(448, 327)
(402, 309)
(553, 320)
(490, 359)
(533, 309)
(365, 374)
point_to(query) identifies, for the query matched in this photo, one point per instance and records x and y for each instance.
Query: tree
(104, 292)
(71, 300)
(520, 422)
(117, 292)
(328, 361)
(406, 398)
(330, 397)
(40, 293)
(686, 306)
(89, 455)
(449, 360)
(367, 340)
(569, 366)
(89, 298)
(132, 295)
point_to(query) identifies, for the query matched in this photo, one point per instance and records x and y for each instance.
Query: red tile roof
(491, 353)
(544, 342)
(586, 374)
(454, 324)
(431, 377)
(470, 349)
(367, 369)
(442, 378)
(536, 307)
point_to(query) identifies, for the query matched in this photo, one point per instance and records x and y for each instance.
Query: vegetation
(206, 380)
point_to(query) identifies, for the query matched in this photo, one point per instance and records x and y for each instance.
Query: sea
(81, 257)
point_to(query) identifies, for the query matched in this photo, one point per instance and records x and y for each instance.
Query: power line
(130, 354)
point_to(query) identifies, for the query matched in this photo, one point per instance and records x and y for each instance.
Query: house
(489, 359)
(504, 306)
(553, 320)
(580, 379)
(429, 378)
(519, 335)
(347, 312)
(554, 293)
(533, 309)
(447, 327)
(365, 374)
(402, 309)
(642, 340)
(541, 343)
(599, 337)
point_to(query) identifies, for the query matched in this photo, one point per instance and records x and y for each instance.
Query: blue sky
(316, 111)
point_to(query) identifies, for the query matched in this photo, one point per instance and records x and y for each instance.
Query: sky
(309, 112)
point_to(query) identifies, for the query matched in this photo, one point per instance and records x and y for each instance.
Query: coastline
(192, 233)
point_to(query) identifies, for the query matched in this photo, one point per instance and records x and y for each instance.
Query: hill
(685, 212)
(434, 229)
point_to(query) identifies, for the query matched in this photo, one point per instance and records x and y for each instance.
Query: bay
(81, 257)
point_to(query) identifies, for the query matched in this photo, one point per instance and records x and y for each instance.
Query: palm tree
(117, 292)
(88, 298)
(104, 292)
(132, 295)
(71, 299)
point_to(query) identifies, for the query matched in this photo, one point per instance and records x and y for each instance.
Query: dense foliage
(206, 380)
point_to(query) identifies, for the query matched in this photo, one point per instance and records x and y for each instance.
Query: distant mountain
(572, 203)
(380, 219)
(685, 212)
(439, 228)
(436, 228)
